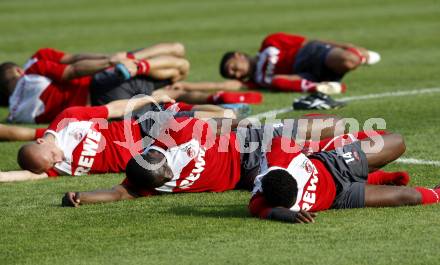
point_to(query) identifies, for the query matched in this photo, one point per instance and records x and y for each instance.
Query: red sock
(130, 55)
(143, 67)
(379, 177)
(362, 58)
(222, 97)
(300, 85)
(429, 196)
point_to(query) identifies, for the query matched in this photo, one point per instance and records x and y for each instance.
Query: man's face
(49, 154)
(12, 75)
(238, 67)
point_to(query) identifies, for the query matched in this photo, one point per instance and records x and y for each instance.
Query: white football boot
(373, 58)
(330, 88)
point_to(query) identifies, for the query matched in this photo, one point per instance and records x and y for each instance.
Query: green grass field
(216, 228)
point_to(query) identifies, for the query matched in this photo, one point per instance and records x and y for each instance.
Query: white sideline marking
(415, 161)
(354, 98)
(401, 93)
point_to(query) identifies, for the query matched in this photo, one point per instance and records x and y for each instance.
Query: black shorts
(349, 168)
(107, 86)
(310, 63)
(253, 160)
(150, 122)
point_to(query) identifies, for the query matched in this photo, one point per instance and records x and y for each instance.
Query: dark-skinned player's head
(149, 170)
(236, 65)
(9, 75)
(279, 188)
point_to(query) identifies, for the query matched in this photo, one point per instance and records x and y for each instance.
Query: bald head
(39, 156)
(29, 158)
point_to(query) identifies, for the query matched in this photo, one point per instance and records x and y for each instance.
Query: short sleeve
(181, 130)
(258, 206)
(48, 69)
(49, 54)
(78, 114)
(52, 173)
(141, 192)
(39, 132)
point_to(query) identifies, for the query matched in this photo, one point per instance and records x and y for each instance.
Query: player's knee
(178, 49)
(184, 67)
(350, 61)
(399, 143)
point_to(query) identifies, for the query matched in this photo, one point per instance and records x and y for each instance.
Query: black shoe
(317, 100)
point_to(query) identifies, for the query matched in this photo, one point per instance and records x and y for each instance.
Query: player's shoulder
(48, 54)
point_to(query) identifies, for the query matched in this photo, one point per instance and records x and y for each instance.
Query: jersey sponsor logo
(77, 134)
(190, 152)
(90, 148)
(309, 195)
(267, 61)
(199, 167)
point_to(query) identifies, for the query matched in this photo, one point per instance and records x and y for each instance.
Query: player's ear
(40, 141)
(19, 71)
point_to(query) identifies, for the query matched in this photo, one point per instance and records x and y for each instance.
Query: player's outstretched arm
(92, 66)
(20, 175)
(230, 85)
(258, 207)
(73, 58)
(117, 193)
(119, 108)
(16, 133)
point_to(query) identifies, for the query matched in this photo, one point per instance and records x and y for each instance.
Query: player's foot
(372, 58)
(241, 110)
(331, 88)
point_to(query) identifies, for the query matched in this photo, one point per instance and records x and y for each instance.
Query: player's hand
(162, 98)
(71, 199)
(175, 86)
(130, 65)
(304, 217)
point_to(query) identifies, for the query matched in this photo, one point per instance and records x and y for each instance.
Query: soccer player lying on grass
(295, 186)
(81, 141)
(188, 157)
(290, 63)
(21, 133)
(53, 80)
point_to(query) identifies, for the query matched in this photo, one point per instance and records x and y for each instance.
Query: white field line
(401, 93)
(355, 98)
(415, 161)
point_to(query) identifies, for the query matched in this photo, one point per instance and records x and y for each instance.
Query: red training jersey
(41, 94)
(200, 160)
(91, 144)
(316, 187)
(276, 57)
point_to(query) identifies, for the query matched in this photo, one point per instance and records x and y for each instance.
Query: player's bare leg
(342, 61)
(168, 67)
(391, 196)
(393, 148)
(320, 126)
(174, 49)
